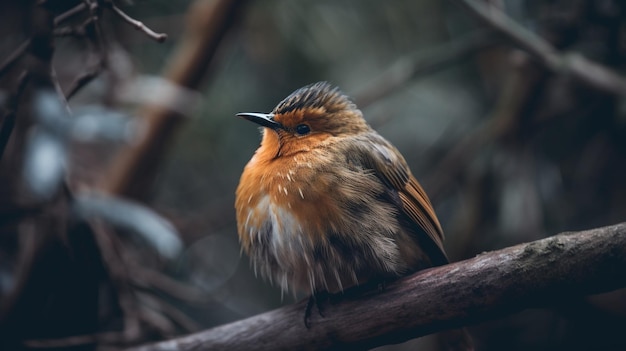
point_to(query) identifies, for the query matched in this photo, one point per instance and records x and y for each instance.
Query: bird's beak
(262, 119)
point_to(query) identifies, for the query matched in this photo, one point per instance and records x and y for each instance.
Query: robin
(327, 203)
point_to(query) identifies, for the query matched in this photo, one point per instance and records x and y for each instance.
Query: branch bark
(536, 274)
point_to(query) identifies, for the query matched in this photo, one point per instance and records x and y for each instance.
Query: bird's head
(306, 119)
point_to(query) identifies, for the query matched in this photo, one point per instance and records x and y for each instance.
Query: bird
(326, 203)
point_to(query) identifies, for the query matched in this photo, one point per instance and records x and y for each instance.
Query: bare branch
(69, 13)
(76, 31)
(84, 79)
(160, 37)
(151, 279)
(96, 38)
(17, 53)
(572, 64)
(165, 309)
(207, 24)
(29, 249)
(73, 341)
(535, 274)
(119, 277)
(421, 63)
(8, 121)
(502, 120)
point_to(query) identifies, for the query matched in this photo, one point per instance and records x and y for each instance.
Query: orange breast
(310, 222)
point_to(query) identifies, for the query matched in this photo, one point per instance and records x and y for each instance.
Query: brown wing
(419, 209)
(391, 167)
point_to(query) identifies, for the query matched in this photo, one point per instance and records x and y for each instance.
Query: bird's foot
(314, 300)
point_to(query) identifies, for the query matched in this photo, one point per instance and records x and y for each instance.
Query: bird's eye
(303, 129)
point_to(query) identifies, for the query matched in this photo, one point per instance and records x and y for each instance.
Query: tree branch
(207, 24)
(423, 62)
(572, 64)
(493, 284)
(8, 122)
(15, 55)
(138, 25)
(70, 13)
(84, 79)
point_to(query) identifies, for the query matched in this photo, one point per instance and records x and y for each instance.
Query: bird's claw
(314, 299)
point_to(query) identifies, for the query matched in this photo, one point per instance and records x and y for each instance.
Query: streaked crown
(314, 96)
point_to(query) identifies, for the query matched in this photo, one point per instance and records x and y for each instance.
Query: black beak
(262, 119)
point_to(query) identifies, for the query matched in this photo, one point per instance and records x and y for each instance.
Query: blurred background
(508, 150)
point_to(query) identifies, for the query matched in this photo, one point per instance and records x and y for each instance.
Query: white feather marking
(282, 293)
(306, 259)
(324, 282)
(301, 194)
(336, 273)
(248, 218)
(311, 280)
(283, 281)
(333, 227)
(251, 234)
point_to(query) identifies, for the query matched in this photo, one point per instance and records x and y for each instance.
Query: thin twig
(151, 279)
(97, 39)
(133, 173)
(69, 13)
(16, 54)
(84, 79)
(504, 118)
(9, 119)
(20, 50)
(423, 62)
(29, 246)
(69, 31)
(75, 31)
(119, 277)
(157, 321)
(138, 25)
(166, 309)
(571, 64)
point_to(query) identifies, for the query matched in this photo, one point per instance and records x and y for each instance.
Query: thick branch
(572, 64)
(207, 24)
(536, 274)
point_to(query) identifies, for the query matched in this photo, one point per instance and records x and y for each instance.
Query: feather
(391, 168)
